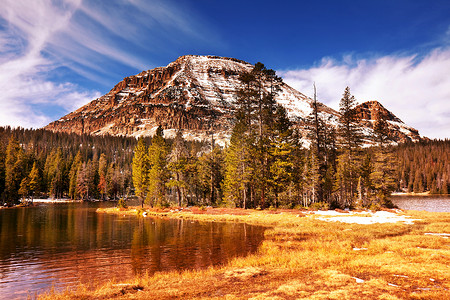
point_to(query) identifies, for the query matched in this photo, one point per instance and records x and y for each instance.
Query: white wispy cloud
(86, 37)
(415, 88)
(29, 26)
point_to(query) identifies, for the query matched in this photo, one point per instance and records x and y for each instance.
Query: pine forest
(266, 163)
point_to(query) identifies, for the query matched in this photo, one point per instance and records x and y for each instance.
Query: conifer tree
(76, 163)
(55, 171)
(102, 170)
(157, 174)
(239, 171)
(14, 166)
(2, 172)
(323, 143)
(34, 181)
(24, 189)
(115, 181)
(350, 136)
(298, 160)
(255, 116)
(140, 168)
(310, 178)
(383, 174)
(350, 139)
(280, 151)
(365, 183)
(82, 186)
(177, 166)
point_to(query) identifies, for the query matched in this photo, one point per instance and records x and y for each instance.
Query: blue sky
(58, 55)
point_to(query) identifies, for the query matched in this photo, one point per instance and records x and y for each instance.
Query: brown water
(433, 203)
(61, 245)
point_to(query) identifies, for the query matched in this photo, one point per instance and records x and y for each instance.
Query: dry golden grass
(303, 257)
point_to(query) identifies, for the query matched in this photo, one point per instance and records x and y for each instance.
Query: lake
(433, 203)
(62, 245)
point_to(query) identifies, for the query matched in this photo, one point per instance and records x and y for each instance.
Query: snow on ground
(363, 217)
(50, 200)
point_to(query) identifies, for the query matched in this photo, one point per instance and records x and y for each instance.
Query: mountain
(194, 93)
(371, 111)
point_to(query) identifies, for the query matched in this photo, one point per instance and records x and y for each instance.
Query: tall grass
(303, 257)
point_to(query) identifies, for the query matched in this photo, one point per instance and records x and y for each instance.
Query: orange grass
(303, 257)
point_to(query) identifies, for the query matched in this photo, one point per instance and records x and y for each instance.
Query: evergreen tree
(298, 161)
(346, 180)
(323, 143)
(281, 149)
(210, 167)
(157, 175)
(2, 173)
(350, 139)
(34, 181)
(24, 190)
(73, 174)
(102, 170)
(310, 178)
(350, 135)
(256, 107)
(55, 171)
(85, 178)
(383, 174)
(115, 181)
(365, 183)
(239, 172)
(177, 166)
(14, 166)
(140, 167)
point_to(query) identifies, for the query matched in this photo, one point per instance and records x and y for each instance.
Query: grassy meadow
(304, 256)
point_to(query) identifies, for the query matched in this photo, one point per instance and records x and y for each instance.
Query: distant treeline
(90, 167)
(424, 166)
(40, 163)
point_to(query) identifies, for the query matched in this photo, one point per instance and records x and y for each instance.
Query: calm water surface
(62, 245)
(433, 203)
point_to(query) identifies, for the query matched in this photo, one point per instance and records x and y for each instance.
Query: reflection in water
(64, 244)
(433, 203)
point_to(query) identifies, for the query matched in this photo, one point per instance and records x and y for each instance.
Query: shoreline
(50, 200)
(428, 193)
(305, 255)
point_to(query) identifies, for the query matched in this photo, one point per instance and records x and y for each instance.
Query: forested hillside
(424, 166)
(39, 163)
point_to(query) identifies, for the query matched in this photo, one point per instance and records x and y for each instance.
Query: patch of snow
(358, 280)
(368, 218)
(328, 213)
(391, 284)
(444, 235)
(50, 200)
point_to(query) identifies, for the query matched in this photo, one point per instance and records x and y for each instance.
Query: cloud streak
(44, 44)
(416, 89)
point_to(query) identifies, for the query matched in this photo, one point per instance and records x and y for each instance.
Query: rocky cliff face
(371, 111)
(194, 93)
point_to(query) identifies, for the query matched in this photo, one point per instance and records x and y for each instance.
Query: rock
(196, 94)
(371, 111)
